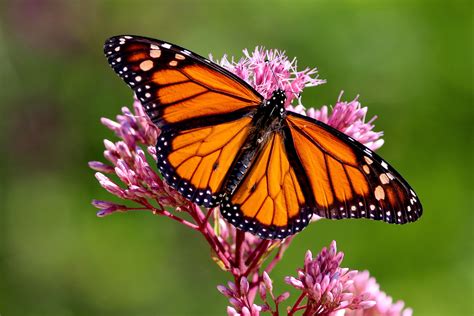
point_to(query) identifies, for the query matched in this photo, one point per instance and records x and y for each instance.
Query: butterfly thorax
(271, 113)
(274, 107)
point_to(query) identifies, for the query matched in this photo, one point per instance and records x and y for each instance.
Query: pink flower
(107, 207)
(128, 161)
(326, 285)
(364, 283)
(238, 297)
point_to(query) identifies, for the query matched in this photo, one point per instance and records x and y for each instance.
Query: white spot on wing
(379, 193)
(146, 65)
(155, 53)
(384, 179)
(366, 169)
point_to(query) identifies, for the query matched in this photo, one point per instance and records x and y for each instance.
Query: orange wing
(196, 161)
(203, 110)
(176, 85)
(270, 200)
(347, 179)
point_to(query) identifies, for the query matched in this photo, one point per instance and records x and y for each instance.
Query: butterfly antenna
(274, 75)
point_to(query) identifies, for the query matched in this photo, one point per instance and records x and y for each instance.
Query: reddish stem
(209, 229)
(264, 246)
(275, 260)
(254, 252)
(203, 227)
(163, 212)
(277, 309)
(208, 232)
(310, 310)
(284, 245)
(295, 306)
(208, 215)
(176, 218)
(240, 236)
(304, 307)
(134, 208)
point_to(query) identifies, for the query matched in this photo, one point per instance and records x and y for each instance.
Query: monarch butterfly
(269, 170)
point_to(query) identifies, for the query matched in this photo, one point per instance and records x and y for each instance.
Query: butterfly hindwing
(175, 85)
(269, 201)
(196, 161)
(347, 179)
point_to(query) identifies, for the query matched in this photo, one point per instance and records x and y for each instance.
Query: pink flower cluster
(239, 298)
(268, 70)
(384, 305)
(129, 163)
(326, 288)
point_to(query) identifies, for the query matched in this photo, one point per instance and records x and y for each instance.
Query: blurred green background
(410, 61)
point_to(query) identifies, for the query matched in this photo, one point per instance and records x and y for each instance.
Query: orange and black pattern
(203, 110)
(196, 161)
(270, 200)
(175, 85)
(269, 171)
(348, 180)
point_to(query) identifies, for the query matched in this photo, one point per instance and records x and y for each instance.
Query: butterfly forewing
(175, 85)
